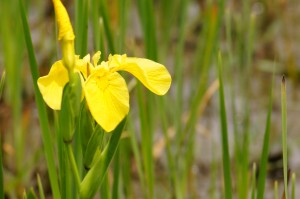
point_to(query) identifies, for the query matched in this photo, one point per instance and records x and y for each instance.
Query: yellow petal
(152, 74)
(84, 66)
(51, 86)
(65, 30)
(107, 97)
(96, 58)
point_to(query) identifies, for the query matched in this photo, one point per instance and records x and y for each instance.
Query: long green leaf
(1, 170)
(1, 162)
(2, 82)
(276, 189)
(40, 186)
(265, 151)
(115, 188)
(106, 23)
(253, 190)
(123, 10)
(46, 136)
(284, 135)
(224, 135)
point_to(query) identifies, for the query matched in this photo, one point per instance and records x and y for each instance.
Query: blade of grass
(213, 175)
(137, 154)
(84, 28)
(224, 134)
(276, 189)
(265, 151)
(95, 23)
(284, 135)
(81, 26)
(243, 182)
(146, 101)
(13, 43)
(125, 165)
(123, 9)
(46, 136)
(105, 188)
(106, 22)
(115, 188)
(2, 82)
(1, 167)
(79, 10)
(30, 195)
(166, 22)
(204, 54)
(205, 50)
(293, 186)
(40, 187)
(98, 29)
(179, 66)
(173, 170)
(147, 17)
(146, 139)
(253, 191)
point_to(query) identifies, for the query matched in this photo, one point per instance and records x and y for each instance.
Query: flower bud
(65, 35)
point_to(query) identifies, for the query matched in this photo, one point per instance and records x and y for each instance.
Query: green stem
(73, 165)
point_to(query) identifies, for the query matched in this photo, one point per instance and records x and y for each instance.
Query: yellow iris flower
(104, 88)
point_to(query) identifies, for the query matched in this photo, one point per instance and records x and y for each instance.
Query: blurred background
(255, 38)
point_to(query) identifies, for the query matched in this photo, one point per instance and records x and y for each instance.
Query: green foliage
(83, 161)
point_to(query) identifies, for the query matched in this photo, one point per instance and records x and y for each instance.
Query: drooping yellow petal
(65, 30)
(152, 74)
(51, 86)
(107, 96)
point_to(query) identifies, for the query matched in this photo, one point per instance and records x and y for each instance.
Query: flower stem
(73, 165)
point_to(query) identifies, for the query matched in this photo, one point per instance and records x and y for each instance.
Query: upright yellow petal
(51, 86)
(152, 74)
(96, 58)
(107, 97)
(65, 30)
(84, 66)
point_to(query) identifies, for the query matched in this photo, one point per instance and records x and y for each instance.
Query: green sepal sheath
(92, 147)
(93, 179)
(85, 126)
(70, 107)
